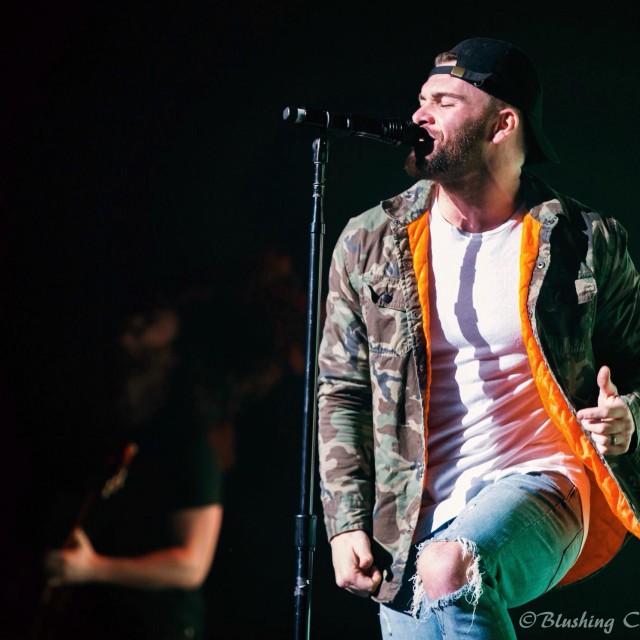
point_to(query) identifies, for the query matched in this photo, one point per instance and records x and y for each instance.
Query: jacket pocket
(586, 288)
(386, 317)
(568, 308)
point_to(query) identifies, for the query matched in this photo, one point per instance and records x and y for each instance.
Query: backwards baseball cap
(505, 72)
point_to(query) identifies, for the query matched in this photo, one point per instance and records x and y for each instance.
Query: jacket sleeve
(345, 435)
(617, 329)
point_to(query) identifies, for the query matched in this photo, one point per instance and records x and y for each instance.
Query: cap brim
(539, 149)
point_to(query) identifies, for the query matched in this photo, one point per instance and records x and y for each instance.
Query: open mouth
(423, 146)
(418, 138)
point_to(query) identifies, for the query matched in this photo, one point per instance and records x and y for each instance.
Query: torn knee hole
(447, 573)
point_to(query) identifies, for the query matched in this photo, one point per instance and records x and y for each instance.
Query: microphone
(391, 131)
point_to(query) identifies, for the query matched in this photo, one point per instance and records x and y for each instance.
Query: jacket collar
(542, 202)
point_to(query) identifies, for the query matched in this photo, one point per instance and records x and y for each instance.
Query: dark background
(143, 146)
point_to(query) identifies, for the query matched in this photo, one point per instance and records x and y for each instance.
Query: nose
(422, 115)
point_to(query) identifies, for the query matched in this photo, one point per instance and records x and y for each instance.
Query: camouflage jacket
(580, 303)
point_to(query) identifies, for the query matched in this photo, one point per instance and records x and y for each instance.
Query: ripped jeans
(523, 533)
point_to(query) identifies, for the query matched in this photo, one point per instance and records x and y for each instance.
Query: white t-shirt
(486, 419)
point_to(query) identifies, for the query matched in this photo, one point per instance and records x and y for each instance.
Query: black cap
(505, 72)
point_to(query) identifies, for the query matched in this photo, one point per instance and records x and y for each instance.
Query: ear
(506, 124)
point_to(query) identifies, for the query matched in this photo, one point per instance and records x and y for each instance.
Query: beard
(460, 155)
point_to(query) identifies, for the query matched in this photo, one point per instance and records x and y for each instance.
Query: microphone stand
(305, 521)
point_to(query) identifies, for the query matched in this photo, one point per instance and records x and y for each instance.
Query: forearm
(345, 456)
(183, 565)
(173, 567)
(633, 402)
